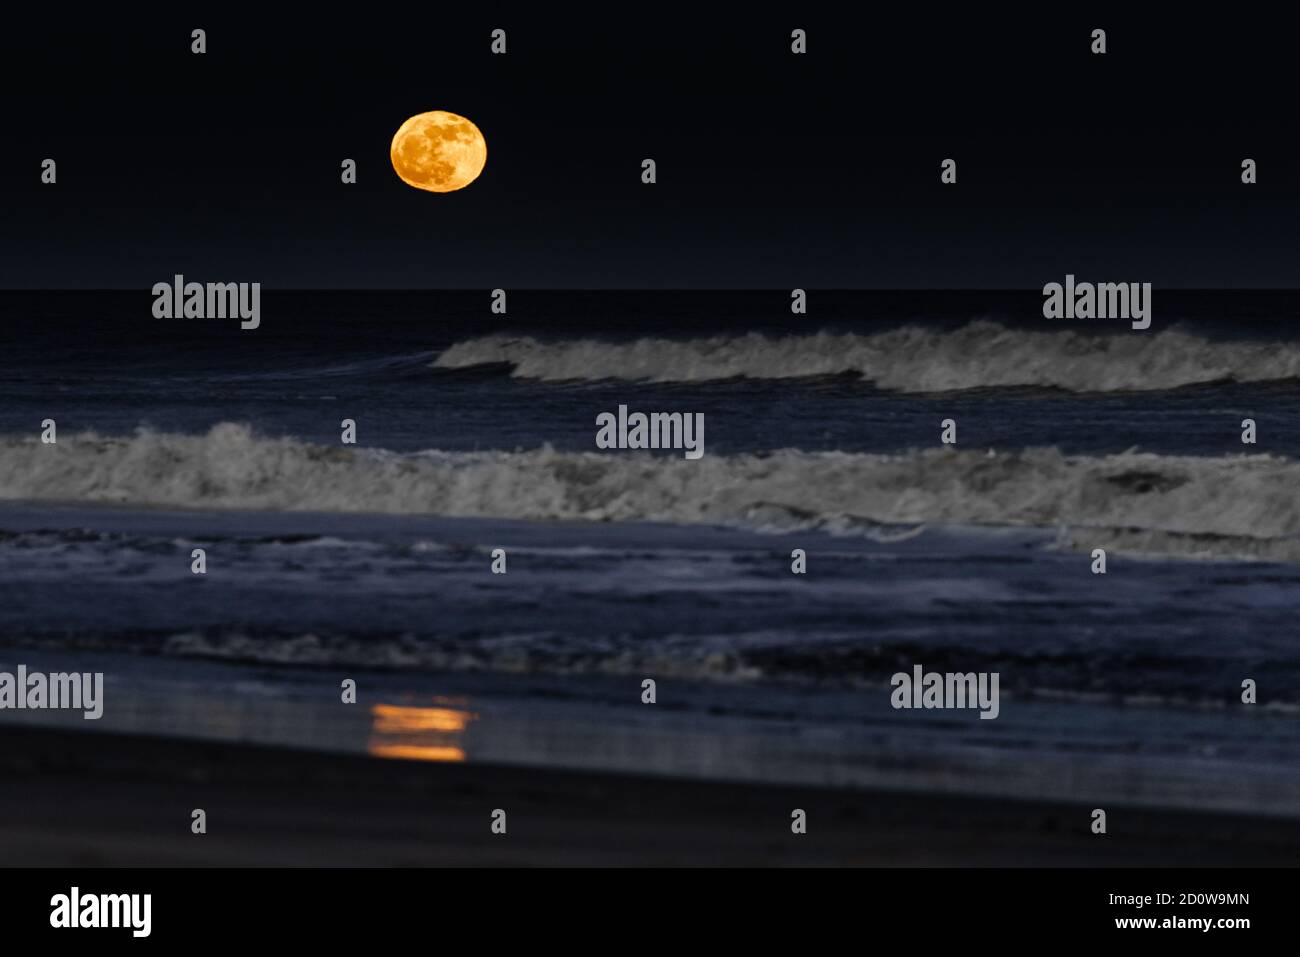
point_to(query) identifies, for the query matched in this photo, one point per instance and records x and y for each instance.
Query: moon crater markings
(438, 151)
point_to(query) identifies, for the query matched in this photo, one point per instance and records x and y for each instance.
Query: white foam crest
(1254, 497)
(981, 354)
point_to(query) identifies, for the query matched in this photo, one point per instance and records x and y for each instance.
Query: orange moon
(439, 152)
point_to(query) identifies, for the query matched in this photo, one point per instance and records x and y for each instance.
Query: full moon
(438, 151)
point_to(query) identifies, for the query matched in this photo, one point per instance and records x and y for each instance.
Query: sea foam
(1242, 504)
(981, 354)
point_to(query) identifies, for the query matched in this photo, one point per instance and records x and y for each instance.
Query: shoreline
(107, 799)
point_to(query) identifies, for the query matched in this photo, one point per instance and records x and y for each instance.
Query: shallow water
(762, 674)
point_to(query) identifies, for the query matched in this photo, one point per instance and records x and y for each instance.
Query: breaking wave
(981, 354)
(1239, 505)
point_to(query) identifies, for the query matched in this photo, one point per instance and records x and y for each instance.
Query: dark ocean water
(100, 361)
(477, 431)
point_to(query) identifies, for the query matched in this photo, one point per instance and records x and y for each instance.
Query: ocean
(475, 432)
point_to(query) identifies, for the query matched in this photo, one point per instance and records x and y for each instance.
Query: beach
(90, 800)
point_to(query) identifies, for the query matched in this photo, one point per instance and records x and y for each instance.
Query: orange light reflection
(418, 734)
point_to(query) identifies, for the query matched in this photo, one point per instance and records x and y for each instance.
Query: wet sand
(78, 799)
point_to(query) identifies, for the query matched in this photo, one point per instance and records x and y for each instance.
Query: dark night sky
(774, 170)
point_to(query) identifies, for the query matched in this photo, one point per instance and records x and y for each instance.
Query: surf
(1217, 504)
(981, 354)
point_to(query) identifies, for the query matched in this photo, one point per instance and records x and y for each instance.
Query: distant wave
(361, 367)
(1248, 504)
(982, 354)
